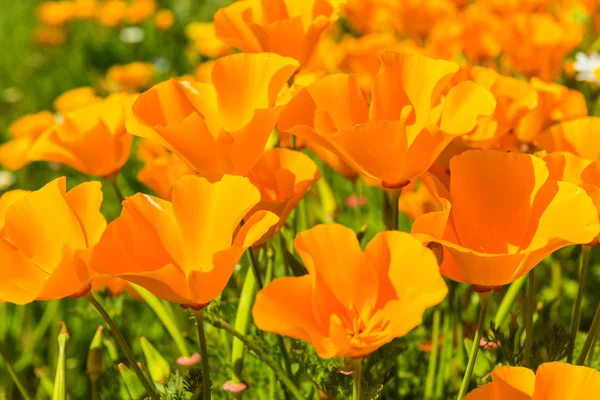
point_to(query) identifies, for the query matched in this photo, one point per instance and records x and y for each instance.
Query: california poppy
(161, 173)
(91, 139)
(45, 241)
(351, 302)
(202, 34)
(579, 136)
(25, 130)
(283, 177)
(406, 126)
(55, 13)
(501, 215)
(552, 381)
(140, 10)
(184, 251)
(219, 128)
(130, 77)
(75, 98)
(112, 13)
(290, 28)
(164, 19)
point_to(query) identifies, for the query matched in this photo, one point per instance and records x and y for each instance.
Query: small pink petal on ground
(346, 372)
(187, 361)
(353, 201)
(234, 387)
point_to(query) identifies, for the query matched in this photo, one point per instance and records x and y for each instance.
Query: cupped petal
(71, 276)
(85, 201)
(232, 25)
(557, 380)
(463, 105)
(8, 199)
(516, 383)
(484, 392)
(23, 280)
(14, 153)
(246, 82)
(567, 167)
(578, 136)
(255, 228)
(48, 147)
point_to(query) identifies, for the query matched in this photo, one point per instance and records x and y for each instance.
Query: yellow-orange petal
(463, 105)
(577, 136)
(513, 383)
(557, 380)
(85, 201)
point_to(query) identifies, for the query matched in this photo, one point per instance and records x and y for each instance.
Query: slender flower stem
(357, 377)
(530, 307)
(445, 355)
(115, 184)
(575, 318)
(393, 195)
(204, 354)
(507, 301)
(150, 388)
(255, 269)
(590, 337)
(281, 375)
(13, 375)
(60, 380)
(433, 356)
(485, 301)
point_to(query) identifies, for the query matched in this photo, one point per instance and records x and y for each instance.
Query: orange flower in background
(114, 285)
(334, 162)
(416, 199)
(368, 16)
(92, 139)
(131, 77)
(552, 381)
(579, 136)
(416, 18)
(46, 238)
(184, 251)
(351, 302)
(75, 98)
(148, 150)
(203, 72)
(50, 36)
(291, 28)
(219, 128)
(85, 9)
(25, 130)
(164, 19)
(112, 13)
(205, 41)
(501, 215)
(283, 177)
(55, 13)
(140, 10)
(406, 126)
(161, 173)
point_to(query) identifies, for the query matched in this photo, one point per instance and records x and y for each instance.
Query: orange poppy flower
(51, 36)
(92, 139)
(283, 177)
(55, 13)
(45, 241)
(148, 150)
(219, 128)
(205, 41)
(351, 302)
(161, 173)
(25, 130)
(553, 381)
(579, 136)
(112, 13)
(140, 10)
(75, 98)
(85, 9)
(173, 249)
(368, 16)
(407, 125)
(291, 28)
(501, 215)
(480, 36)
(203, 72)
(130, 77)
(164, 19)
(417, 18)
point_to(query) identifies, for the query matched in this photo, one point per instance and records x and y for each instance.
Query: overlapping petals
(351, 302)
(45, 241)
(184, 251)
(502, 215)
(579, 136)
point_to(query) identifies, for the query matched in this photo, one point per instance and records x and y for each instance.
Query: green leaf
(157, 365)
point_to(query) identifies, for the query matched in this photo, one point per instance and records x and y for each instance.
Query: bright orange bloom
(112, 13)
(351, 302)
(85, 9)
(114, 285)
(203, 72)
(507, 7)
(416, 18)
(161, 173)
(205, 41)
(25, 130)
(75, 98)
(407, 125)
(416, 199)
(283, 177)
(184, 251)
(45, 241)
(553, 381)
(164, 19)
(50, 36)
(55, 13)
(140, 10)
(219, 128)
(579, 136)
(131, 77)
(501, 215)
(92, 139)
(368, 16)
(334, 162)
(291, 28)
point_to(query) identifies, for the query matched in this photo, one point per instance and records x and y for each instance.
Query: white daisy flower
(587, 67)
(6, 179)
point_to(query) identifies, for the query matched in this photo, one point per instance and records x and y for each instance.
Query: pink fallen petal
(234, 387)
(346, 372)
(188, 361)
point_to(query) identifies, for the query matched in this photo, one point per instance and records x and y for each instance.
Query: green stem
(150, 388)
(285, 380)
(13, 375)
(445, 356)
(433, 356)
(60, 380)
(204, 354)
(590, 337)
(392, 196)
(357, 377)
(485, 300)
(115, 184)
(508, 301)
(575, 318)
(530, 307)
(254, 265)
(242, 323)
(41, 327)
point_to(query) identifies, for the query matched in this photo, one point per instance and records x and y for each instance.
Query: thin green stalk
(204, 354)
(255, 268)
(530, 307)
(115, 184)
(507, 302)
(445, 356)
(40, 330)
(149, 386)
(485, 301)
(576, 316)
(13, 375)
(357, 377)
(60, 380)
(590, 337)
(433, 356)
(281, 375)
(392, 196)
(242, 323)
